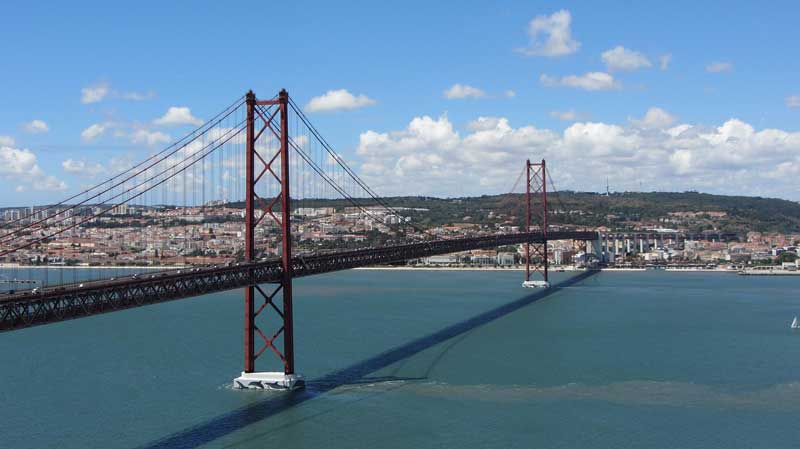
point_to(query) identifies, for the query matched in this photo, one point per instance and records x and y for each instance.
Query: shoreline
(552, 270)
(572, 269)
(426, 268)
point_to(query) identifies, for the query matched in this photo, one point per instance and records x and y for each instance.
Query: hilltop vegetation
(618, 210)
(687, 210)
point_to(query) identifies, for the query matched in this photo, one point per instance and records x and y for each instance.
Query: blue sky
(731, 74)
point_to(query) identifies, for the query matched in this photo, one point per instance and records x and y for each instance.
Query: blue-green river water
(428, 359)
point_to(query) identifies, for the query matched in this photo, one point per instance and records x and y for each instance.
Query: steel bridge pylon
(536, 257)
(260, 168)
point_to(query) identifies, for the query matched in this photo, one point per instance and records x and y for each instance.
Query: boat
(795, 324)
(536, 284)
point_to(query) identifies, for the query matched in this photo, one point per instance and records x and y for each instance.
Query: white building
(446, 259)
(12, 214)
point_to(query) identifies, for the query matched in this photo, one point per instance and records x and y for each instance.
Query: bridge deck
(65, 302)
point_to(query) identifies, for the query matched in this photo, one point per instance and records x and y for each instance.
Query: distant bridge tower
(263, 165)
(536, 189)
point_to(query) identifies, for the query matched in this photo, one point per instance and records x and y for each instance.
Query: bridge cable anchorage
(160, 156)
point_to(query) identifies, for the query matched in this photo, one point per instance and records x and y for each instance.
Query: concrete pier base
(269, 381)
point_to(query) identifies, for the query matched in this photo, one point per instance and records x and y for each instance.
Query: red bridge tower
(536, 260)
(264, 164)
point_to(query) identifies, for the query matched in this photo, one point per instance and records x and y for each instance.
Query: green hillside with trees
(618, 210)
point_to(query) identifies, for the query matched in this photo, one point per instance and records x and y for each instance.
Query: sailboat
(795, 324)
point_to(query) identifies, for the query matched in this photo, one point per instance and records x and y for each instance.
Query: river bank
(552, 269)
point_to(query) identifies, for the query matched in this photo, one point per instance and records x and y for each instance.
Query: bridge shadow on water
(358, 373)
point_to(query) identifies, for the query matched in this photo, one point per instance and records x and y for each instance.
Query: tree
(787, 256)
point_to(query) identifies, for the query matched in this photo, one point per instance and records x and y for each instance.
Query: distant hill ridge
(742, 213)
(616, 210)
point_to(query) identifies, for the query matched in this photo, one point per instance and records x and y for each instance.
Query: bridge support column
(254, 335)
(597, 248)
(536, 175)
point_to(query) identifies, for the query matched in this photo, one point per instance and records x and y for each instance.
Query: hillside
(619, 210)
(688, 210)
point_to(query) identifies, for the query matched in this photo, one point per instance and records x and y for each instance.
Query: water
(426, 359)
(28, 277)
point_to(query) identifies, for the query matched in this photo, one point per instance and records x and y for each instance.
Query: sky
(431, 98)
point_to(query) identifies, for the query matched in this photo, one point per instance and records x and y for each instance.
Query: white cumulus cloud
(99, 92)
(431, 152)
(178, 115)
(793, 101)
(49, 184)
(459, 91)
(36, 127)
(94, 94)
(341, 99)
(681, 161)
(620, 58)
(14, 161)
(21, 166)
(587, 81)
(149, 137)
(655, 118)
(82, 168)
(551, 35)
(6, 141)
(431, 156)
(483, 123)
(94, 131)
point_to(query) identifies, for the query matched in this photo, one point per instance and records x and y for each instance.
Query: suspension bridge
(251, 199)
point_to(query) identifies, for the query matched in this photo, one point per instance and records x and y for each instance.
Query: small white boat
(536, 284)
(795, 324)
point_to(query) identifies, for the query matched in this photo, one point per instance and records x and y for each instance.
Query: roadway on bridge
(71, 301)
